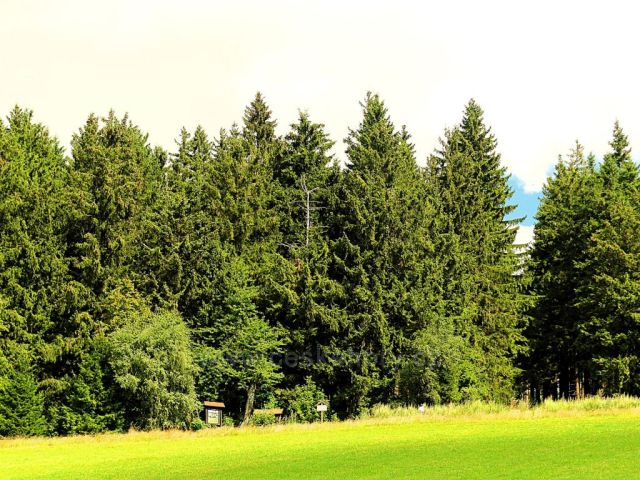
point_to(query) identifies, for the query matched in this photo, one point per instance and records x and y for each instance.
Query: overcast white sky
(546, 72)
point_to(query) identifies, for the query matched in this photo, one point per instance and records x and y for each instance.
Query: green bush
(197, 424)
(227, 421)
(262, 419)
(300, 402)
(440, 369)
(153, 369)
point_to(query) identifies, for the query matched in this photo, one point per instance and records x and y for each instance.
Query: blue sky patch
(527, 202)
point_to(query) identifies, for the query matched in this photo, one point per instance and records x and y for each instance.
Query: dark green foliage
(37, 208)
(253, 268)
(303, 168)
(191, 251)
(21, 404)
(120, 180)
(609, 298)
(221, 237)
(249, 347)
(304, 176)
(259, 126)
(562, 236)
(375, 235)
(197, 424)
(83, 401)
(585, 270)
(473, 231)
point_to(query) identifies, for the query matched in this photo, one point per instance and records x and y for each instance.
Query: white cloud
(545, 72)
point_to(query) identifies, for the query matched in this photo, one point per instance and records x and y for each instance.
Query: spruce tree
(121, 179)
(610, 284)
(304, 174)
(562, 237)
(373, 234)
(190, 249)
(46, 331)
(21, 403)
(481, 282)
(225, 229)
(115, 178)
(259, 126)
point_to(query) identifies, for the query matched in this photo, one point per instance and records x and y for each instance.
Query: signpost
(321, 407)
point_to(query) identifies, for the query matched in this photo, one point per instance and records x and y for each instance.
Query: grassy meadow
(593, 439)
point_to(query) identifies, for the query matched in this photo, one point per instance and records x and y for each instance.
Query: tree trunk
(564, 383)
(248, 408)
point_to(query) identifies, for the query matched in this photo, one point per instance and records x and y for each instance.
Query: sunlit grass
(592, 438)
(590, 404)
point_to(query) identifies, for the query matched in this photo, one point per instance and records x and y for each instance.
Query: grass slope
(522, 445)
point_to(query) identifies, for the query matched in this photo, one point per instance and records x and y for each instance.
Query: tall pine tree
(374, 228)
(481, 282)
(609, 291)
(562, 236)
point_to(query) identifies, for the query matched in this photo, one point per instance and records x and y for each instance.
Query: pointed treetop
(200, 142)
(576, 156)
(183, 146)
(473, 109)
(19, 116)
(308, 135)
(374, 110)
(307, 152)
(377, 148)
(305, 124)
(193, 149)
(259, 127)
(473, 128)
(618, 167)
(620, 145)
(473, 115)
(376, 127)
(21, 120)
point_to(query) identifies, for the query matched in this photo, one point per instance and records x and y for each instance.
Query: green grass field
(602, 444)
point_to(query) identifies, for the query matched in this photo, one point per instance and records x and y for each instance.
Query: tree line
(256, 269)
(585, 269)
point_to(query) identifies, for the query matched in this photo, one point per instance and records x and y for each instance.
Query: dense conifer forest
(258, 270)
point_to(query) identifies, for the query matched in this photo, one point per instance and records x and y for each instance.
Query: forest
(261, 271)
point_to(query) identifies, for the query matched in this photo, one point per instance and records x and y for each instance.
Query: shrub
(439, 370)
(154, 371)
(300, 402)
(197, 424)
(227, 421)
(262, 419)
